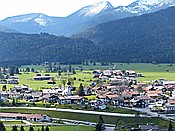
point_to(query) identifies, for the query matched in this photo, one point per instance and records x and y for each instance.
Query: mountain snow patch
(40, 21)
(96, 8)
(23, 20)
(155, 2)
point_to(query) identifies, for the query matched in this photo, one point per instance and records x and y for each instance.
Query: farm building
(30, 117)
(43, 77)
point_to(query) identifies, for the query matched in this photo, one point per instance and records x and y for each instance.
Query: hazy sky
(49, 7)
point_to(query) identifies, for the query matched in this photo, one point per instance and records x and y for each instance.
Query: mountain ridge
(149, 38)
(146, 38)
(86, 17)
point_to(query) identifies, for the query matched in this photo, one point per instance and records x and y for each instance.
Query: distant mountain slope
(29, 23)
(7, 30)
(84, 18)
(146, 38)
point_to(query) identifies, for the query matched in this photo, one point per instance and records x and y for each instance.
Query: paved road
(76, 111)
(153, 114)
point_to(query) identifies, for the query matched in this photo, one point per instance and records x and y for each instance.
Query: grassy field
(27, 78)
(149, 76)
(149, 71)
(12, 122)
(59, 128)
(134, 121)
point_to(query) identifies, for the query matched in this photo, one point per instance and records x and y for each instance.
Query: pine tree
(27, 69)
(2, 127)
(31, 128)
(73, 71)
(59, 73)
(50, 67)
(100, 124)
(14, 102)
(22, 128)
(11, 70)
(16, 70)
(170, 128)
(70, 68)
(32, 70)
(1, 76)
(14, 128)
(81, 90)
(47, 128)
(42, 128)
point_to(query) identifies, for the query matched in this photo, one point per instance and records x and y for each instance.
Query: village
(117, 88)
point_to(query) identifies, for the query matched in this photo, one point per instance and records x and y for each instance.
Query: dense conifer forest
(147, 38)
(22, 48)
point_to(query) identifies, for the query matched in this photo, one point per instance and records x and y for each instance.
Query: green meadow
(59, 128)
(149, 71)
(133, 121)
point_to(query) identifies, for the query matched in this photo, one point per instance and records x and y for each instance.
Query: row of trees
(15, 128)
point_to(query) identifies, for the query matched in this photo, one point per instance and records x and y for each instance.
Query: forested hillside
(147, 38)
(35, 48)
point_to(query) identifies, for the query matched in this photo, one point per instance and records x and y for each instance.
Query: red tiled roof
(171, 101)
(155, 92)
(112, 96)
(101, 96)
(14, 115)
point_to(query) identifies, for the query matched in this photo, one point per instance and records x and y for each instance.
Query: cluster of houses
(118, 88)
(122, 89)
(9, 79)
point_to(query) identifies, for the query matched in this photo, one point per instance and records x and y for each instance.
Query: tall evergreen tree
(100, 124)
(22, 128)
(27, 69)
(47, 128)
(73, 71)
(42, 128)
(81, 90)
(59, 73)
(32, 70)
(50, 67)
(14, 102)
(170, 128)
(16, 70)
(14, 128)
(31, 128)
(1, 73)
(70, 68)
(11, 70)
(2, 127)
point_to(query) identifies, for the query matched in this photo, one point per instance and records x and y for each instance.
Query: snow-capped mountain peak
(86, 17)
(140, 7)
(95, 9)
(155, 2)
(39, 18)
